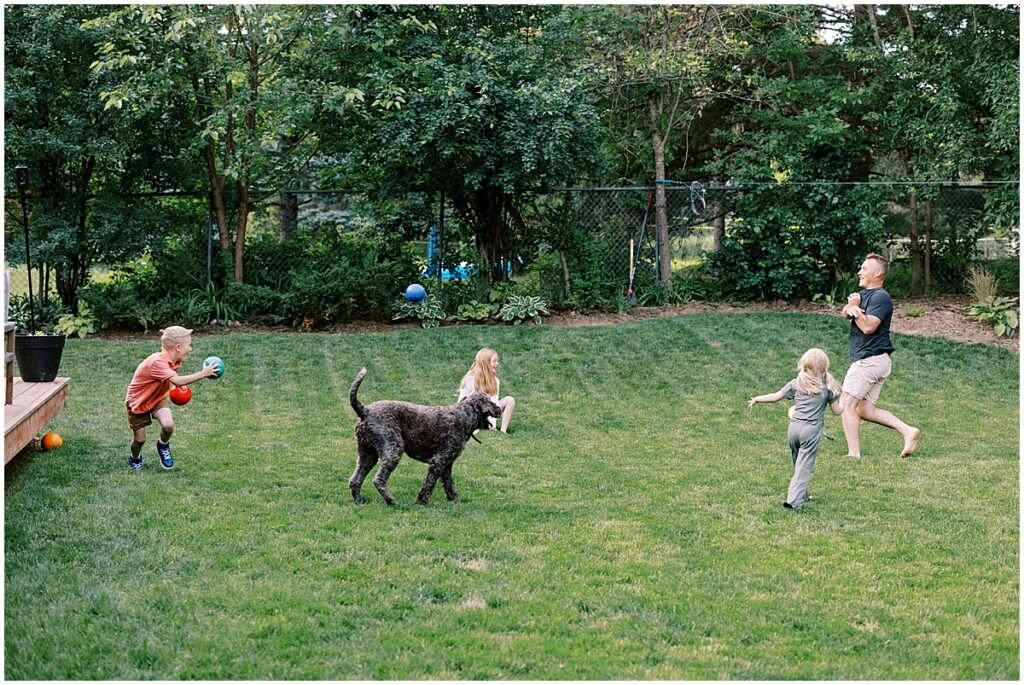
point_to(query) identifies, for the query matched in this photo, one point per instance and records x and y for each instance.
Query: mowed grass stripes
(630, 526)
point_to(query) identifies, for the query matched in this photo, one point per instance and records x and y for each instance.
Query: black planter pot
(38, 356)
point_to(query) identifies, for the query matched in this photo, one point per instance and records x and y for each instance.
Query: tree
(476, 102)
(237, 72)
(945, 74)
(660, 64)
(796, 134)
(80, 156)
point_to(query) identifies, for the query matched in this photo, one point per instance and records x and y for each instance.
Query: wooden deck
(35, 404)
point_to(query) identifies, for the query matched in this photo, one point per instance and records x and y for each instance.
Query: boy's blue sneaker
(164, 450)
(135, 463)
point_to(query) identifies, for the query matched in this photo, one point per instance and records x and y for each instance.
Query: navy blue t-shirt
(875, 302)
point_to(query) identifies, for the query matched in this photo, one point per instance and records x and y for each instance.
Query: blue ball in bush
(215, 361)
(415, 292)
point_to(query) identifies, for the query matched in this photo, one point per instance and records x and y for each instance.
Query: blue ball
(215, 361)
(415, 292)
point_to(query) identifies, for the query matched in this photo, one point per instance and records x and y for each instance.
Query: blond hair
(812, 371)
(883, 263)
(174, 335)
(484, 379)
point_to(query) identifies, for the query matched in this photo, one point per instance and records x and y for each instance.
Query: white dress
(469, 387)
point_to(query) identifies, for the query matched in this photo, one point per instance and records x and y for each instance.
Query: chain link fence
(698, 217)
(613, 218)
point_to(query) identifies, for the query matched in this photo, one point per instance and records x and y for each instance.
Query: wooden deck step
(35, 404)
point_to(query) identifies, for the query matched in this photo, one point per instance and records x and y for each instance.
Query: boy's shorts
(865, 378)
(137, 421)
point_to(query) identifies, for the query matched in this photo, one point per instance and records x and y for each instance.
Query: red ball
(181, 394)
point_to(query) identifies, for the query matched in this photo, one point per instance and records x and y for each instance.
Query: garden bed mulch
(944, 316)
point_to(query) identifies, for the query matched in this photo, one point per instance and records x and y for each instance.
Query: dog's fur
(434, 435)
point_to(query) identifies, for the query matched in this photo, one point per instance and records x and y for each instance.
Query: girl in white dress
(483, 377)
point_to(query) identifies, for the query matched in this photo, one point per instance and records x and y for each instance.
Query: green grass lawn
(629, 527)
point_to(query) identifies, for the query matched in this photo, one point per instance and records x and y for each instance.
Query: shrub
(1007, 273)
(522, 307)
(428, 311)
(790, 241)
(348, 277)
(45, 318)
(475, 311)
(999, 312)
(117, 304)
(256, 302)
(208, 305)
(81, 326)
(454, 294)
(982, 283)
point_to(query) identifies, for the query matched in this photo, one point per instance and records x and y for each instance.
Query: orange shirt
(151, 382)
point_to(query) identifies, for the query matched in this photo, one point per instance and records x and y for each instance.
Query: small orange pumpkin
(51, 441)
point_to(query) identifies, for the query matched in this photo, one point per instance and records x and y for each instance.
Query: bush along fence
(314, 258)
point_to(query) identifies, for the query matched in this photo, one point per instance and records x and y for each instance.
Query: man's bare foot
(854, 456)
(910, 442)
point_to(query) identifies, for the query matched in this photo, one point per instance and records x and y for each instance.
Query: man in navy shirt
(870, 312)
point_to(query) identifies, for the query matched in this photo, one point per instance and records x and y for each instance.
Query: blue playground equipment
(460, 273)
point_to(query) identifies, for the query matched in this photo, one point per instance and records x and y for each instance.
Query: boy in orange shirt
(147, 393)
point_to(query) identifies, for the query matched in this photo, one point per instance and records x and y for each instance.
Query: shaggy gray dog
(434, 435)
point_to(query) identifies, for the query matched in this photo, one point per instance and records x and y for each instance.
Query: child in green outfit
(812, 390)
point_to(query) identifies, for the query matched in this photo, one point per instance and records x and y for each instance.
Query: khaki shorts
(866, 377)
(137, 421)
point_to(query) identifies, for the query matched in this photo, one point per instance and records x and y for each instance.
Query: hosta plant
(522, 307)
(428, 311)
(999, 312)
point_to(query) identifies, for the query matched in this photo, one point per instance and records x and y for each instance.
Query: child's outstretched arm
(206, 372)
(773, 397)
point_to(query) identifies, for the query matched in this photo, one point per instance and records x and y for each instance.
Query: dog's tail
(353, 400)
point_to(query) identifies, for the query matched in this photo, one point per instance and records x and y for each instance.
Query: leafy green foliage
(428, 311)
(81, 325)
(489, 138)
(475, 311)
(494, 106)
(81, 157)
(46, 317)
(244, 76)
(792, 241)
(519, 308)
(209, 305)
(983, 283)
(1007, 273)
(999, 312)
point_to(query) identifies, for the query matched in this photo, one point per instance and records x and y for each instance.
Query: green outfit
(805, 432)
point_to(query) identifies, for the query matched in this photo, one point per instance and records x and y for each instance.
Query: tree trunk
(243, 220)
(287, 210)
(217, 197)
(928, 245)
(910, 23)
(565, 273)
(868, 12)
(70, 279)
(661, 214)
(915, 250)
(718, 223)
